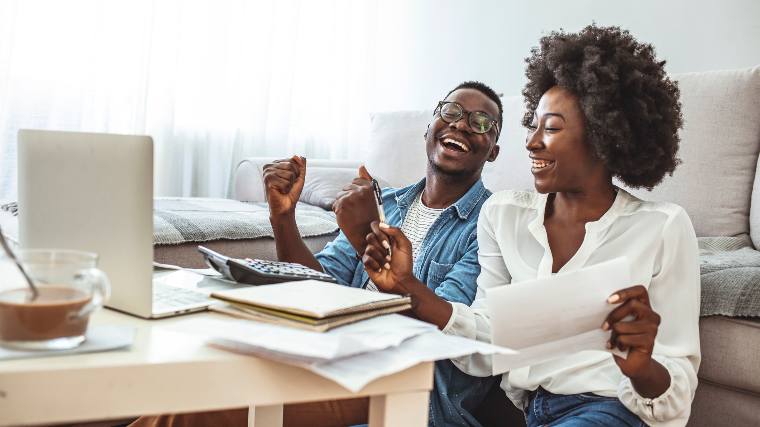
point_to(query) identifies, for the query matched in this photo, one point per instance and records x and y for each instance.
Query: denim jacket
(448, 263)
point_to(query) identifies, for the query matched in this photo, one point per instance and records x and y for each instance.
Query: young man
(439, 214)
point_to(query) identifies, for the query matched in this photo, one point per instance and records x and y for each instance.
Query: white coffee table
(168, 372)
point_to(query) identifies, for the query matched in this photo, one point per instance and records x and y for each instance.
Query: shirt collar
(464, 206)
(622, 199)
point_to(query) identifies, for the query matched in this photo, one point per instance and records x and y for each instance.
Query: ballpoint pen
(379, 203)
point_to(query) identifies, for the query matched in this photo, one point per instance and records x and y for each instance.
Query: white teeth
(457, 143)
(540, 164)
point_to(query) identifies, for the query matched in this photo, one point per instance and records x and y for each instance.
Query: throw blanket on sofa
(730, 277)
(182, 220)
(179, 220)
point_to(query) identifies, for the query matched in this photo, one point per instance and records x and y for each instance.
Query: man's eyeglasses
(479, 121)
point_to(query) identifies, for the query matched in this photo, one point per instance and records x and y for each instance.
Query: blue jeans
(585, 409)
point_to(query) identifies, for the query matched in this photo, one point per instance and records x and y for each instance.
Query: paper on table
(204, 271)
(354, 372)
(555, 316)
(357, 371)
(290, 344)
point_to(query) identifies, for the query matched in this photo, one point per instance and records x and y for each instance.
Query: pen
(378, 200)
(379, 203)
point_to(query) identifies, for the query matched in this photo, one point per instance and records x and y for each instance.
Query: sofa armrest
(249, 182)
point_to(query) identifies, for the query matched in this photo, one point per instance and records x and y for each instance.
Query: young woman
(600, 107)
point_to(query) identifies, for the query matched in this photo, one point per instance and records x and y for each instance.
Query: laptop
(94, 192)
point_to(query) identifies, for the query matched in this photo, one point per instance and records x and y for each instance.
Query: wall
(429, 46)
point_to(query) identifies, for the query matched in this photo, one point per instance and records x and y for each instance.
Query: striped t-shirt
(415, 227)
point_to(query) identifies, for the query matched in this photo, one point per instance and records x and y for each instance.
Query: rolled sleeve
(672, 407)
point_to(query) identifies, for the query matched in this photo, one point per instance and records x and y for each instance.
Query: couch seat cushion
(731, 352)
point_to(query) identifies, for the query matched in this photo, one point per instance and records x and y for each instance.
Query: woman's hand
(388, 261)
(389, 273)
(634, 326)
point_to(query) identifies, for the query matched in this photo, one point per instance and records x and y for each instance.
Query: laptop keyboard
(167, 298)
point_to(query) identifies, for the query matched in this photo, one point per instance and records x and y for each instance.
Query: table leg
(399, 409)
(265, 416)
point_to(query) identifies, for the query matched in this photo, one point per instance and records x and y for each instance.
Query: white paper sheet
(290, 344)
(555, 316)
(352, 355)
(355, 372)
(204, 271)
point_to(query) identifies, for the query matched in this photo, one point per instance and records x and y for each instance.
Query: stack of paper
(352, 355)
(308, 304)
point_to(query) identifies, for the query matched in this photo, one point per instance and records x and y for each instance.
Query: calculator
(259, 271)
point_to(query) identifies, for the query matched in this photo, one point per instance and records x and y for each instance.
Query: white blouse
(660, 243)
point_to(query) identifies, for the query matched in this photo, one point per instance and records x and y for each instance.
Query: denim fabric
(585, 409)
(448, 263)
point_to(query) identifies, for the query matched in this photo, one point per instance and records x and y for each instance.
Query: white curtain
(212, 81)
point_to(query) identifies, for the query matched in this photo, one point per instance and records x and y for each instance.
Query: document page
(282, 342)
(551, 317)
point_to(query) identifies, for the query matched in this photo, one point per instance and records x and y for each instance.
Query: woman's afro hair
(630, 105)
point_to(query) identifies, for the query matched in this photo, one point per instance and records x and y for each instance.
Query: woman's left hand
(635, 334)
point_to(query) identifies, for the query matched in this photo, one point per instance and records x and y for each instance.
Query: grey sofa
(717, 184)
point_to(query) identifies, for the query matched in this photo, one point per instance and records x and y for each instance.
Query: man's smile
(454, 143)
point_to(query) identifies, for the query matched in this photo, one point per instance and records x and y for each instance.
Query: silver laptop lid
(92, 192)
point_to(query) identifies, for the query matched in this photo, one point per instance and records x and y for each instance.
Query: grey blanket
(179, 220)
(730, 270)
(182, 220)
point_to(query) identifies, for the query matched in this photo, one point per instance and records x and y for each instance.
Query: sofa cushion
(323, 185)
(715, 405)
(754, 210)
(730, 349)
(397, 148)
(249, 181)
(719, 147)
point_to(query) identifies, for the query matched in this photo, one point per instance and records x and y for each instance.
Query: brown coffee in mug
(70, 289)
(55, 313)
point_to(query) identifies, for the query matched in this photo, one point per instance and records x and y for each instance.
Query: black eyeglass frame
(494, 122)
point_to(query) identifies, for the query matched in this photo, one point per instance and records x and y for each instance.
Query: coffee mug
(70, 289)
